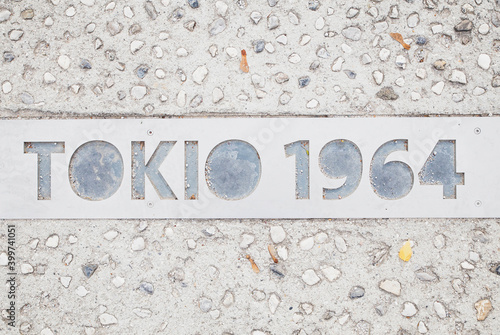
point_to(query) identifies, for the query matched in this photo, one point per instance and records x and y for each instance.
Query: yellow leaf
(405, 253)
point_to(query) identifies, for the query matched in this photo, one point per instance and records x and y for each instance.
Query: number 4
(440, 169)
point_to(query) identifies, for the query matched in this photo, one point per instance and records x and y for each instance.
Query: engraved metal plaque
(250, 168)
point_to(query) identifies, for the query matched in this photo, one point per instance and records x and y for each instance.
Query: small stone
(89, 269)
(49, 78)
(70, 11)
(366, 59)
(391, 286)
(27, 14)
(128, 12)
(273, 302)
(27, 98)
(425, 275)
(421, 40)
(320, 23)
(135, 46)
(294, 58)
(221, 8)
(193, 3)
(81, 291)
(111, 235)
(352, 33)
(337, 64)
(190, 25)
(484, 61)
(293, 18)
(217, 27)
(384, 54)
(181, 98)
(352, 12)
(26, 268)
(228, 299)
(387, 93)
(259, 45)
(356, 292)
(146, 288)
(142, 312)
(438, 87)
(16, 34)
(413, 20)
(258, 295)
(483, 308)
(394, 12)
(217, 95)
(415, 96)
(307, 243)
(401, 61)
(246, 240)
(138, 243)
(409, 309)
(313, 103)
(495, 82)
(478, 91)
(150, 10)
(457, 97)
(310, 277)
(65, 281)
(107, 319)
(440, 309)
(331, 273)
(256, 17)
(138, 92)
(200, 74)
(85, 64)
(52, 241)
(378, 76)
(304, 81)
(437, 29)
(205, 304)
(421, 327)
(88, 3)
(350, 74)
(8, 56)
(191, 244)
(313, 5)
(118, 281)
(465, 25)
(272, 22)
(304, 39)
(282, 39)
(467, 266)
(458, 76)
(196, 101)
(4, 14)
(278, 234)
(484, 29)
(421, 73)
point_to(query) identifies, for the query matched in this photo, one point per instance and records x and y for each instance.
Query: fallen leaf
(399, 38)
(272, 252)
(405, 253)
(255, 268)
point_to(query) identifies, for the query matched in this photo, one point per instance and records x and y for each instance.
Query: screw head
(478, 203)
(150, 132)
(150, 204)
(477, 130)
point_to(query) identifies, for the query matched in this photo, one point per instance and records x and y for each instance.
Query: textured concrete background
(161, 58)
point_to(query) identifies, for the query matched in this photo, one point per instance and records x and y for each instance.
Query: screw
(150, 204)
(150, 132)
(478, 203)
(477, 131)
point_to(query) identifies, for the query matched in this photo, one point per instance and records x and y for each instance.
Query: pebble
(331, 273)
(89, 269)
(413, 20)
(307, 243)
(484, 29)
(313, 5)
(107, 319)
(70, 11)
(478, 91)
(6, 87)
(313, 103)
(4, 14)
(27, 14)
(205, 305)
(310, 277)
(138, 92)
(421, 73)
(465, 25)
(294, 58)
(483, 308)
(277, 233)
(217, 27)
(320, 23)
(142, 312)
(200, 74)
(340, 244)
(304, 39)
(52, 241)
(293, 18)
(421, 327)
(191, 243)
(118, 281)
(352, 33)
(193, 3)
(304, 81)
(495, 81)
(350, 74)
(110, 235)
(384, 54)
(438, 87)
(458, 76)
(85, 64)
(409, 309)
(401, 61)
(484, 61)
(337, 64)
(440, 309)
(272, 22)
(273, 302)
(246, 240)
(356, 292)
(387, 93)
(256, 17)
(27, 98)
(457, 97)
(146, 288)
(217, 95)
(8, 56)
(467, 266)
(26, 268)
(16, 34)
(378, 76)
(221, 8)
(391, 286)
(282, 252)
(259, 45)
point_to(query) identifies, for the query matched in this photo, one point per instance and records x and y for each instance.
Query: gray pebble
(421, 40)
(314, 65)
(89, 269)
(277, 270)
(272, 3)
(356, 292)
(217, 26)
(196, 101)
(350, 74)
(121, 95)
(352, 33)
(85, 64)
(387, 93)
(142, 71)
(177, 14)
(27, 98)
(313, 4)
(134, 29)
(205, 305)
(8, 56)
(193, 3)
(146, 287)
(304, 81)
(495, 268)
(151, 10)
(258, 46)
(465, 25)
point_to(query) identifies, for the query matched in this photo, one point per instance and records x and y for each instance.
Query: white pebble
(181, 98)
(26, 268)
(64, 62)
(458, 76)
(138, 244)
(391, 286)
(232, 52)
(191, 244)
(52, 241)
(71, 11)
(246, 240)
(217, 95)
(331, 273)
(337, 64)
(313, 103)
(310, 277)
(478, 91)
(484, 29)
(378, 76)
(65, 281)
(81, 291)
(118, 281)
(340, 244)
(49, 78)
(413, 20)
(128, 12)
(484, 61)
(409, 309)
(49, 21)
(304, 39)
(6, 87)
(110, 235)
(200, 74)
(438, 87)
(135, 46)
(440, 309)
(138, 92)
(294, 58)
(320, 23)
(384, 54)
(282, 252)
(278, 234)
(221, 8)
(415, 96)
(107, 319)
(307, 243)
(273, 302)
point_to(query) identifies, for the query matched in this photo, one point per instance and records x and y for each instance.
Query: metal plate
(250, 168)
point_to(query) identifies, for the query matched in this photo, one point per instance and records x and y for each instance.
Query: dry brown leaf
(399, 38)
(244, 65)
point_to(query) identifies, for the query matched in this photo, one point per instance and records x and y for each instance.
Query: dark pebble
(421, 40)
(193, 3)
(146, 287)
(89, 269)
(313, 4)
(85, 64)
(304, 81)
(276, 271)
(142, 71)
(259, 45)
(350, 74)
(8, 56)
(356, 292)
